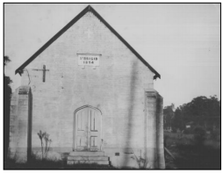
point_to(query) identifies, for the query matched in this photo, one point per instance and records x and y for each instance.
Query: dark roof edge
(127, 44)
(48, 43)
(88, 8)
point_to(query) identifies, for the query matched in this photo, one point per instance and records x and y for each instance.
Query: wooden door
(94, 131)
(88, 130)
(82, 130)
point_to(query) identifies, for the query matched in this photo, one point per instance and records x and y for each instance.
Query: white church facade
(93, 94)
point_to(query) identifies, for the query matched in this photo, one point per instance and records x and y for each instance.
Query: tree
(201, 111)
(178, 120)
(168, 113)
(7, 98)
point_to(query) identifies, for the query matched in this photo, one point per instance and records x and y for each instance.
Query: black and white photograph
(111, 86)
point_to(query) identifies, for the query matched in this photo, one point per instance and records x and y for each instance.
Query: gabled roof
(65, 28)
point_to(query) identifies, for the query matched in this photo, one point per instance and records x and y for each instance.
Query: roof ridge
(73, 21)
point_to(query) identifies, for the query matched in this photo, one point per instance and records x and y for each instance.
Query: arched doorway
(87, 129)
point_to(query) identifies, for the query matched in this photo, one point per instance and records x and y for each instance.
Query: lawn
(53, 165)
(190, 153)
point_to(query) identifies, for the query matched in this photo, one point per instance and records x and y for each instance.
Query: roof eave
(55, 37)
(65, 28)
(157, 75)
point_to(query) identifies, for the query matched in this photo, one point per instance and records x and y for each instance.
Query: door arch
(87, 129)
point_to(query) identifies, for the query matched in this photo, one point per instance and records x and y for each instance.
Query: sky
(180, 41)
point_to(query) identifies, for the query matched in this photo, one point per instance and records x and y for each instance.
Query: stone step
(71, 162)
(87, 158)
(85, 153)
(91, 158)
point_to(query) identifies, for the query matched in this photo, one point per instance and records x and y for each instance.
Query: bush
(215, 135)
(199, 136)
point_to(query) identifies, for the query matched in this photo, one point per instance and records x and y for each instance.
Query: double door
(87, 130)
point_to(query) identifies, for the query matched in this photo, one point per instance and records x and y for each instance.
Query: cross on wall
(44, 70)
(89, 33)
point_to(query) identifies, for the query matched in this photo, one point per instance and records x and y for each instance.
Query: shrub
(199, 135)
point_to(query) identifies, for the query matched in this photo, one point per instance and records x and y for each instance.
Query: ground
(187, 151)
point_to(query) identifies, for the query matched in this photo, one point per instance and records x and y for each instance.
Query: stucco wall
(116, 87)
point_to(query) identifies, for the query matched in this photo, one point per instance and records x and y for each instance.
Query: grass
(198, 157)
(52, 164)
(190, 154)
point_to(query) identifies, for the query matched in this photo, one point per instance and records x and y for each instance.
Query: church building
(93, 94)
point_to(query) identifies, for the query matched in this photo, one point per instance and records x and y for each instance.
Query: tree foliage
(201, 107)
(168, 113)
(6, 60)
(178, 120)
(7, 96)
(201, 111)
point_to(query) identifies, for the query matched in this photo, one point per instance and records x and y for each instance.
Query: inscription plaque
(88, 59)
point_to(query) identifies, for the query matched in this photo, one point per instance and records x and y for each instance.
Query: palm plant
(43, 136)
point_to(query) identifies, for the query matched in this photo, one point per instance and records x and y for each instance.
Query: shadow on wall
(129, 124)
(153, 103)
(159, 102)
(29, 148)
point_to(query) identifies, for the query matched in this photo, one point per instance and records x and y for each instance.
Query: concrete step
(86, 153)
(87, 158)
(93, 158)
(71, 162)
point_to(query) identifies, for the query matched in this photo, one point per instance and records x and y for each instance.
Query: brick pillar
(154, 129)
(21, 124)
